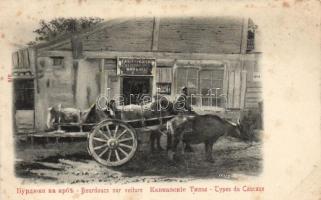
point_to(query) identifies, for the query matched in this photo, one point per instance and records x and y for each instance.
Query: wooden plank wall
(54, 87)
(23, 59)
(190, 35)
(243, 88)
(112, 80)
(131, 35)
(201, 35)
(236, 85)
(88, 83)
(254, 88)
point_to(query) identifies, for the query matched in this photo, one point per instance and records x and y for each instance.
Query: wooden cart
(114, 142)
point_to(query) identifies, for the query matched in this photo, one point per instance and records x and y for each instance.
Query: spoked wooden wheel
(112, 142)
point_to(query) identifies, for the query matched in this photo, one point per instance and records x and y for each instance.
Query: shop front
(137, 77)
(140, 77)
(209, 56)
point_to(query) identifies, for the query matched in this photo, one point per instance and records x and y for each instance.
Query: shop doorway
(24, 105)
(135, 88)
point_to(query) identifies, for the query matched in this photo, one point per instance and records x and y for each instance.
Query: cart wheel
(112, 142)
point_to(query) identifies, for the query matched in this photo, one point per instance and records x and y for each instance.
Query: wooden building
(215, 58)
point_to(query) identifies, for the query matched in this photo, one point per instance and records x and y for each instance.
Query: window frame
(199, 94)
(212, 82)
(177, 89)
(55, 58)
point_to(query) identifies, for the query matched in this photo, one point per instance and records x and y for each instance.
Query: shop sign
(136, 66)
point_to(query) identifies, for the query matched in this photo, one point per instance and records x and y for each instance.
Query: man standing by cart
(183, 106)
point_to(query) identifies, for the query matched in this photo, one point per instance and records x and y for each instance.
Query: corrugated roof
(186, 35)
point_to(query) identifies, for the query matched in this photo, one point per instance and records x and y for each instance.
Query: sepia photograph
(138, 99)
(151, 100)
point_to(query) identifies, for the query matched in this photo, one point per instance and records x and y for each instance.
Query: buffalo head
(234, 129)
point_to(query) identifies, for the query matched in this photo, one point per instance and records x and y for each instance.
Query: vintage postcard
(160, 99)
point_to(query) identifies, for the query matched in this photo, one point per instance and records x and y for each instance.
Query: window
(211, 87)
(24, 94)
(164, 80)
(204, 86)
(57, 61)
(187, 77)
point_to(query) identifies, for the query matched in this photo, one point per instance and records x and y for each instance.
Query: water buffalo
(197, 129)
(59, 114)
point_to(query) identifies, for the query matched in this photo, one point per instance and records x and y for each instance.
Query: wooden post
(243, 46)
(237, 87)
(243, 54)
(32, 141)
(230, 97)
(80, 120)
(77, 53)
(59, 117)
(160, 116)
(75, 81)
(155, 34)
(243, 89)
(102, 76)
(225, 84)
(143, 118)
(36, 72)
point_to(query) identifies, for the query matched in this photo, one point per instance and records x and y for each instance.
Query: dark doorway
(135, 88)
(24, 94)
(24, 105)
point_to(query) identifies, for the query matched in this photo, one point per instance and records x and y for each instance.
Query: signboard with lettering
(136, 66)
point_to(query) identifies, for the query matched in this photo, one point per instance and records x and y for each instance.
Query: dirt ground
(69, 162)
